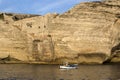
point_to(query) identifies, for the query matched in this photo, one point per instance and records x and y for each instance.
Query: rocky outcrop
(88, 33)
(16, 17)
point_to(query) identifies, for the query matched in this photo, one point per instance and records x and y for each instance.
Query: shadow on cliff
(114, 53)
(8, 59)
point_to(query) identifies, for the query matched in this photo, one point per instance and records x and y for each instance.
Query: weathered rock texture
(88, 33)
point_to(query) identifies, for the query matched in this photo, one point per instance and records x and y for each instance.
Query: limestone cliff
(88, 33)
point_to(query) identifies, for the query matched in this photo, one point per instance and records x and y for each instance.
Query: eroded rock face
(88, 33)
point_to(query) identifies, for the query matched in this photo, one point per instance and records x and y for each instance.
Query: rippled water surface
(52, 72)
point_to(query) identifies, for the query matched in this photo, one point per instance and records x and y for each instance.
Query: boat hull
(67, 67)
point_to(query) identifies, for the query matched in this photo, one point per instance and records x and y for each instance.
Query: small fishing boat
(69, 66)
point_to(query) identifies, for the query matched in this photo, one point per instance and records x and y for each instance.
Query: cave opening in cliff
(29, 25)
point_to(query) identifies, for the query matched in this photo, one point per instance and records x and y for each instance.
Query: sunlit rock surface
(88, 33)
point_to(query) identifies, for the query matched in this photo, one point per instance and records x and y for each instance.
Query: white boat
(69, 66)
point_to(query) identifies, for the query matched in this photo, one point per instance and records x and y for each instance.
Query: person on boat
(66, 63)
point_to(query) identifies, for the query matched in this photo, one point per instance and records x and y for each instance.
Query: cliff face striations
(88, 33)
